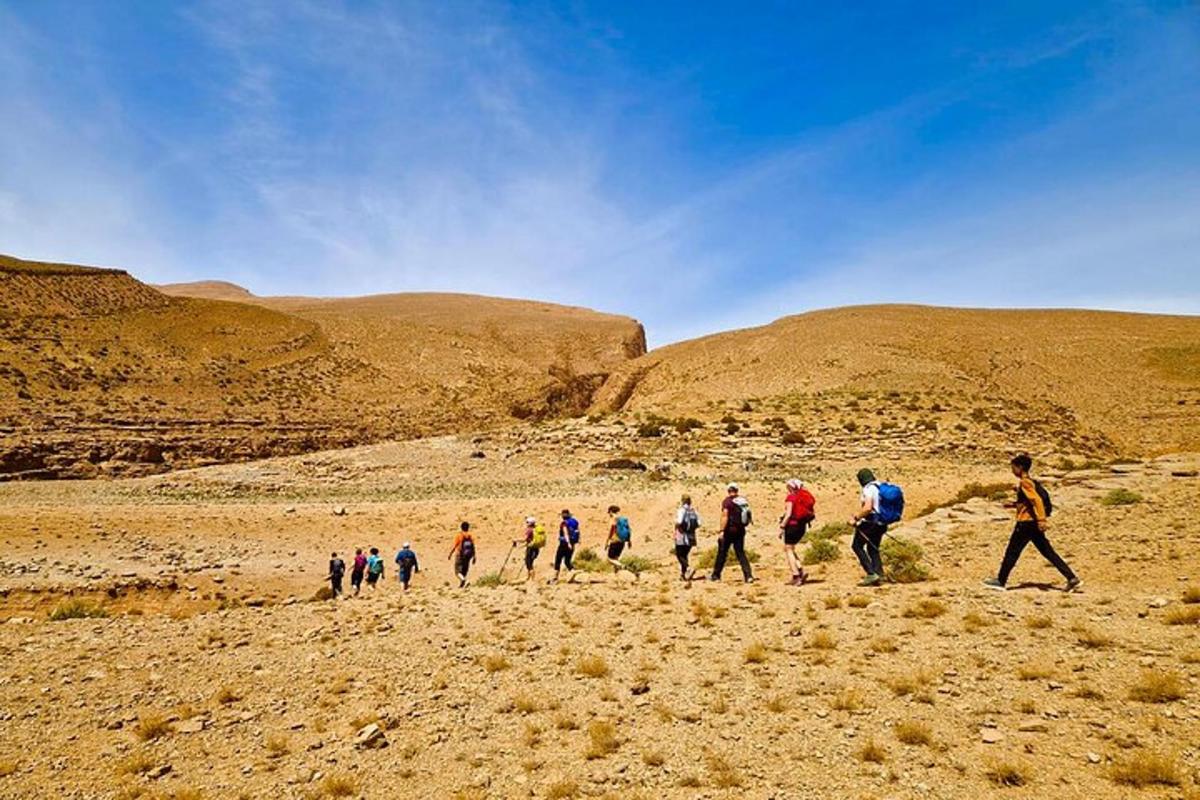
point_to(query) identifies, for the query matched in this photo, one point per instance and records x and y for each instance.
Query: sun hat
(795, 483)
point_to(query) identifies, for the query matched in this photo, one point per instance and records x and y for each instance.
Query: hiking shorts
(563, 555)
(615, 549)
(356, 578)
(794, 531)
(372, 578)
(531, 554)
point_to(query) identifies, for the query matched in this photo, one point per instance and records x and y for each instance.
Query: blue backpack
(891, 503)
(623, 532)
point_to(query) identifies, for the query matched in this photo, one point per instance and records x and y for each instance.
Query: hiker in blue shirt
(406, 565)
(374, 568)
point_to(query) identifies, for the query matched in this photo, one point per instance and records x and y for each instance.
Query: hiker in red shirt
(798, 514)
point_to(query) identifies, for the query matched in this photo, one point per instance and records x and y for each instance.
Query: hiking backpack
(803, 506)
(744, 506)
(538, 540)
(375, 566)
(468, 548)
(1042, 493)
(691, 521)
(891, 503)
(623, 532)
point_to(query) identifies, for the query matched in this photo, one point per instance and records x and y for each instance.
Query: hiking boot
(1073, 584)
(714, 577)
(870, 580)
(994, 583)
(749, 580)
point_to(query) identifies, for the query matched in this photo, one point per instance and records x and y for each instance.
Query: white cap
(407, 545)
(530, 520)
(733, 487)
(795, 483)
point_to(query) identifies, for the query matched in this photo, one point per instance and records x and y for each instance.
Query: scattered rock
(370, 737)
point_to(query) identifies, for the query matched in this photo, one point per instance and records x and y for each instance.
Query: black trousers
(1023, 533)
(868, 537)
(681, 555)
(564, 555)
(736, 540)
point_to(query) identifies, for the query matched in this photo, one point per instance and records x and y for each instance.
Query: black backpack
(468, 547)
(1042, 493)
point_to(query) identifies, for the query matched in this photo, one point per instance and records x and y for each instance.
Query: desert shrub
(650, 430)
(602, 740)
(708, 557)
(756, 653)
(793, 437)
(1157, 687)
(136, 764)
(732, 427)
(927, 608)
(914, 733)
(589, 560)
(1039, 622)
(848, 700)
(1182, 615)
(902, 561)
(653, 758)
(1191, 594)
(1120, 497)
(858, 601)
(638, 564)
(872, 752)
(1035, 672)
(337, 784)
(496, 662)
(489, 580)
(721, 773)
(76, 608)
(1091, 638)
(988, 491)
(821, 551)
(592, 667)
(1006, 774)
(322, 594)
(563, 790)
(686, 424)
(822, 640)
(1145, 768)
(151, 726)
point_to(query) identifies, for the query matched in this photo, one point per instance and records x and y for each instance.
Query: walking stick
(500, 574)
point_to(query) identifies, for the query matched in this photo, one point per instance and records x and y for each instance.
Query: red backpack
(803, 506)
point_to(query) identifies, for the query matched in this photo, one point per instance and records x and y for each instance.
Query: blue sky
(700, 166)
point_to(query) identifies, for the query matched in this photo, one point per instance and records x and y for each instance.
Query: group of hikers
(881, 504)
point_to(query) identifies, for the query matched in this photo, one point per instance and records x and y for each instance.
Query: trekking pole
(507, 555)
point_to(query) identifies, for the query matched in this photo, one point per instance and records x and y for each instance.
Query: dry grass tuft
(756, 653)
(1183, 615)
(822, 640)
(653, 758)
(848, 700)
(1091, 638)
(496, 663)
(562, 790)
(592, 667)
(1191, 595)
(872, 752)
(526, 704)
(925, 609)
(858, 601)
(1005, 774)
(1158, 687)
(884, 644)
(277, 746)
(337, 784)
(973, 621)
(136, 764)
(1035, 672)
(152, 726)
(1039, 622)
(227, 695)
(913, 732)
(1145, 768)
(8, 766)
(602, 740)
(721, 773)
(832, 601)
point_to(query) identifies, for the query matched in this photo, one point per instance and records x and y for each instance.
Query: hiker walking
(534, 540)
(687, 522)
(337, 569)
(464, 548)
(620, 536)
(406, 564)
(798, 514)
(735, 516)
(357, 571)
(1033, 508)
(880, 505)
(568, 537)
(374, 568)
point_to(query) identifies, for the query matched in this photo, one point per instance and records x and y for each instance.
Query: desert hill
(102, 374)
(207, 290)
(1088, 381)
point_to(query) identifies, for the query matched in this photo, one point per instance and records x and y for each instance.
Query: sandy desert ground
(216, 672)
